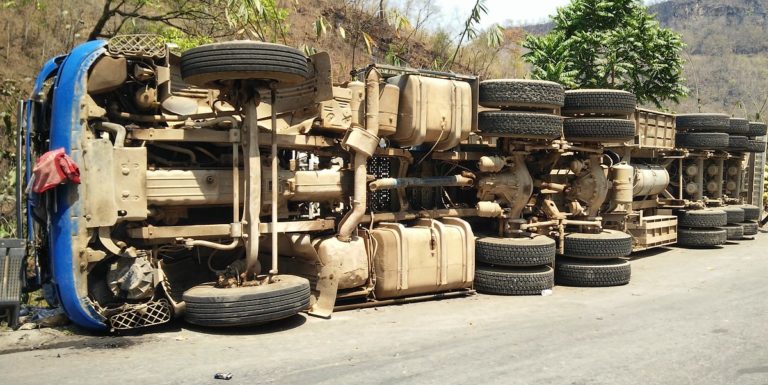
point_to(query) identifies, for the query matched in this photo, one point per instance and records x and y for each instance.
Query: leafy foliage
(610, 44)
(183, 41)
(10, 93)
(198, 19)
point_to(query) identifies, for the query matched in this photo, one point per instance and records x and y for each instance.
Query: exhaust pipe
(352, 219)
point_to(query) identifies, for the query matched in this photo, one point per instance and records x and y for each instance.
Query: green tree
(610, 44)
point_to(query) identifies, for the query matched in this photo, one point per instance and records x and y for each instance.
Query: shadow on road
(648, 253)
(268, 328)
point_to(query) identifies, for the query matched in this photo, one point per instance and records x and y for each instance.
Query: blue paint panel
(66, 130)
(48, 70)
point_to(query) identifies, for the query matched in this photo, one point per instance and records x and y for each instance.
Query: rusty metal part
(434, 181)
(591, 186)
(550, 209)
(350, 221)
(183, 135)
(114, 128)
(513, 187)
(556, 187)
(273, 156)
(491, 163)
(160, 233)
(410, 215)
(190, 243)
(253, 189)
(489, 209)
(105, 236)
(534, 225)
(412, 299)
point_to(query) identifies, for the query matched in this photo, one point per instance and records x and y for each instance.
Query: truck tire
(756, 146)
(701, 140)
(733, 232)
(210, 64)
(734, 214)
(598, 130)
(738, 126)
(608, 244)
(750, 227)
(519, 125)
(751, 212)
(604, 273)
(515, 252)
(207, 305)
(756, 129)
(599, 102)
(738, 143)
(701, 219)
(520, 93)
(703, 122)
(519, 281)
(701, 237)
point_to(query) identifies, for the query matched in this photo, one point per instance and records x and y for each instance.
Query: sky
(500, 11)
(453, 13)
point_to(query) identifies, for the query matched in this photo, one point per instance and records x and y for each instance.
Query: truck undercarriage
(239, 184)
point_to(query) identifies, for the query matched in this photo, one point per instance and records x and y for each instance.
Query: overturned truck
(239, 184)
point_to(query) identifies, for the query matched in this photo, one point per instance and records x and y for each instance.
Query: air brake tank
(650, 179)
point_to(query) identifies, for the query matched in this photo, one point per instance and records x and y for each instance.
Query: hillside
(727, 52)
(726, 55)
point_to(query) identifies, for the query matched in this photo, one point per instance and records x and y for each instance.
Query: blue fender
(49, 70)
(66, 130)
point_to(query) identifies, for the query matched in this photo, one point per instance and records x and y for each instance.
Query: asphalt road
(687, 317)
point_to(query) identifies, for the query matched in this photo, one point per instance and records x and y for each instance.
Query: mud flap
(326, 288)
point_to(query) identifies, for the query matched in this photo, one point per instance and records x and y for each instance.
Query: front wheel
(207, 305)
(211, 64)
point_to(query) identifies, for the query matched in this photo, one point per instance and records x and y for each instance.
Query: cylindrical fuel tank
(650, 180)
(622, 178)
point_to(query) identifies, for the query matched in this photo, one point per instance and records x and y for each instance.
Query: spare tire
(539, 250)
(756, 129)
(524, 125)
(701, 140)
(604, 130)
(599, 102)
(607, 244)
(704, 218)
(701, 237)
(519, 281)
(207, 305)
(703, 122)
(210, 64)
(573, 272)
(521, 93)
